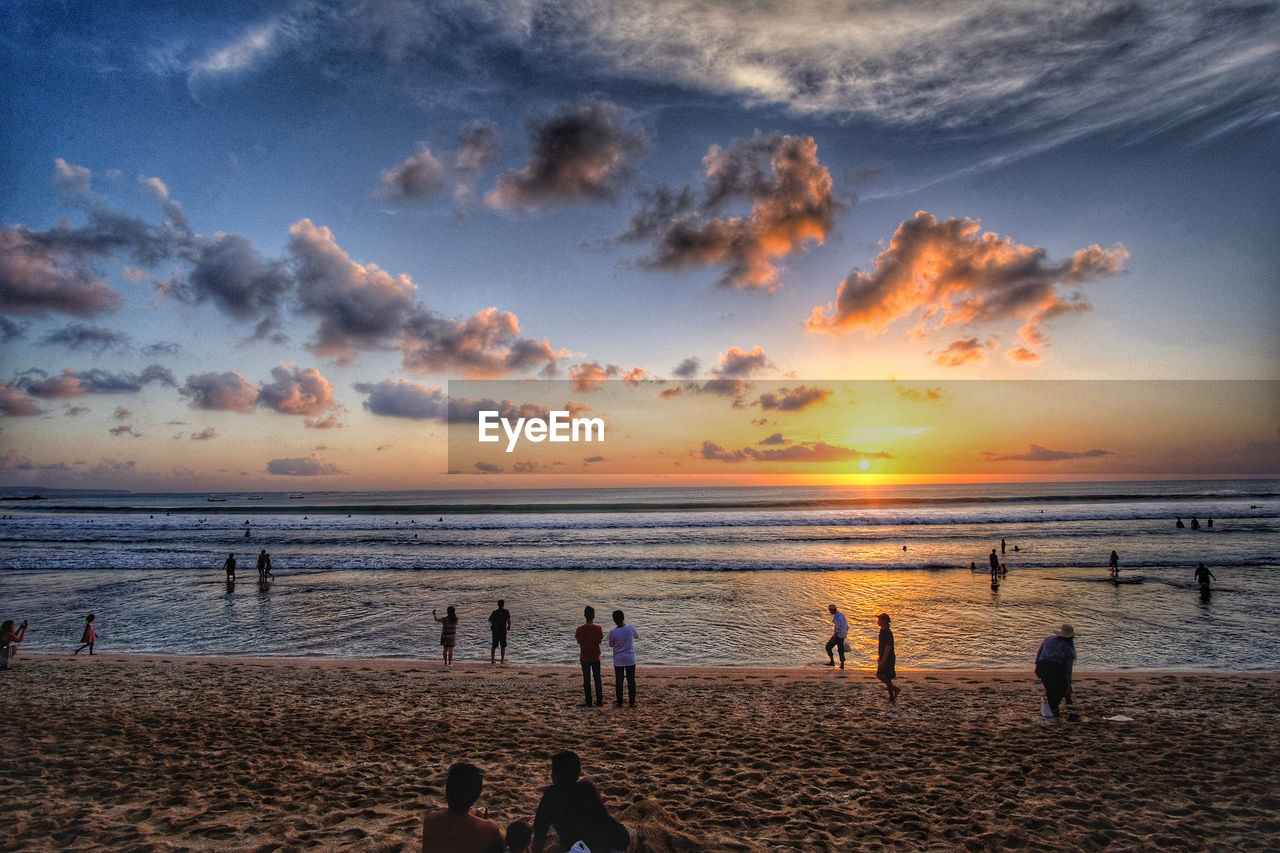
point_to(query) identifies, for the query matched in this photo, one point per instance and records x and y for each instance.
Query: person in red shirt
(589, 637)
(455, 829)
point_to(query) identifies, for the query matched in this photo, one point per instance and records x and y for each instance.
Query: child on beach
(887, 659)
(455, 829)
(9, 640)
(519, 837)
(448, 633)
(88, 637)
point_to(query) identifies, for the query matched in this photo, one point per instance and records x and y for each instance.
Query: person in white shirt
(622, 641)
(840, 630)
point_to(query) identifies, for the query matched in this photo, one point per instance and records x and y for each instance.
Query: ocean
(726, 576)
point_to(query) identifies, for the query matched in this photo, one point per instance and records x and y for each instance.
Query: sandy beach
(172, 753)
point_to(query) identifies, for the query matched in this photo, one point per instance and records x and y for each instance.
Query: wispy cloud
(1036, 453)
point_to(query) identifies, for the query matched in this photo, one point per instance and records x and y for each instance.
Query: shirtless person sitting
(455, 829)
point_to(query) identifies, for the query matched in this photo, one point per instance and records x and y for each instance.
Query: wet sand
(171, 753)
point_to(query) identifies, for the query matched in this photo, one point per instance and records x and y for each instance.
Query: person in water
(1115, 565)
(1203, 576)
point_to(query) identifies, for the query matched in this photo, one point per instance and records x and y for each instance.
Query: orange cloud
(950, 273)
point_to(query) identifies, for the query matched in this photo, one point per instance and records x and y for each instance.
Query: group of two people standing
(499, 625)
(622, 640)
(886, 656)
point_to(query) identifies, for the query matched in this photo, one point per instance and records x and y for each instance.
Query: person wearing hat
(1054, 661)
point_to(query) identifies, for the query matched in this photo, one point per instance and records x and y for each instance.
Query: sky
(251, 246)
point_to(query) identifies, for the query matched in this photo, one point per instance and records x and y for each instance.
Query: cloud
(307, 466)
(818, 451)
(738, 363)
(125, 429)
(39, 275)
(227, 391)
(11, 330)
(11, 461)
(1036, 453)
(15, 402)
(1022, 355)
(404, 399)
(467, 411)
(206, 434)
(946, 273)
(488, 468)
(71, 180)
(588, 375)
(791, 206)
(305, 392)
(69, 383)
(1024, 66)
(425, 176)
(583, 152)
(161, 348)
(486, 344)
(122, 414)
(964, 351)
(687, 369)
(916, 395)
(355, 305)
(233, 275)
(84, 336)
(793, 399)
(774, 439)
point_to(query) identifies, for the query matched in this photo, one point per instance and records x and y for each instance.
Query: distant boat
(297, 496)
(216, 500)
(254, 499)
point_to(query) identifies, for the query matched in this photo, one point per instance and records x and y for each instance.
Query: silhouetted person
(90, 636)
(519, 837)
(455, 829)
(1195, 525)
(448, 633)
(1115, 565)
(589, 636)
(994, 559)
(573, 807)
(499, 624)
(230, 566)
(1054, 662)
(1203, 576)
(887, 658)
(264, 566)
(1179, 525)
(839, 633)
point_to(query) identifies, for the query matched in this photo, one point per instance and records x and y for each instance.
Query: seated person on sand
(573, 807)
(455, 829)
(519, 837)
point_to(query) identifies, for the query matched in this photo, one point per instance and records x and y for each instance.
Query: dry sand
(134, 753)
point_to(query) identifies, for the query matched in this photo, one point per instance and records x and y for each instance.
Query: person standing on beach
(839, 633)
(9, 640)
(448, 632)
(499, 624)
(455, 829)
(994, 559)
(574, 808)
(230, 566)
(589, 636)
(887, 658)
(1115, 565)
(88, 637)
(1054, 662)
(622, 640)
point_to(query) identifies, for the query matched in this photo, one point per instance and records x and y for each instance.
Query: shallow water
(731, 576)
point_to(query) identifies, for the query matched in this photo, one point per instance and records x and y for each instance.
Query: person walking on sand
(1054, 662)
(9, 640)
(622, 640)
(230, 566)
(839, 633)
(573, 807)
(589, 636)
(499, 625)
(455, 829)
(886, 658)
(88, 637)
(1115, 565)
(448, 632)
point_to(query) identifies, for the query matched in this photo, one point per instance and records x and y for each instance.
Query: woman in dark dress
(887, 659)
(448, 632)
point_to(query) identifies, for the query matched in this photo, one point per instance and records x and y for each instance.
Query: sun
(864, 464)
